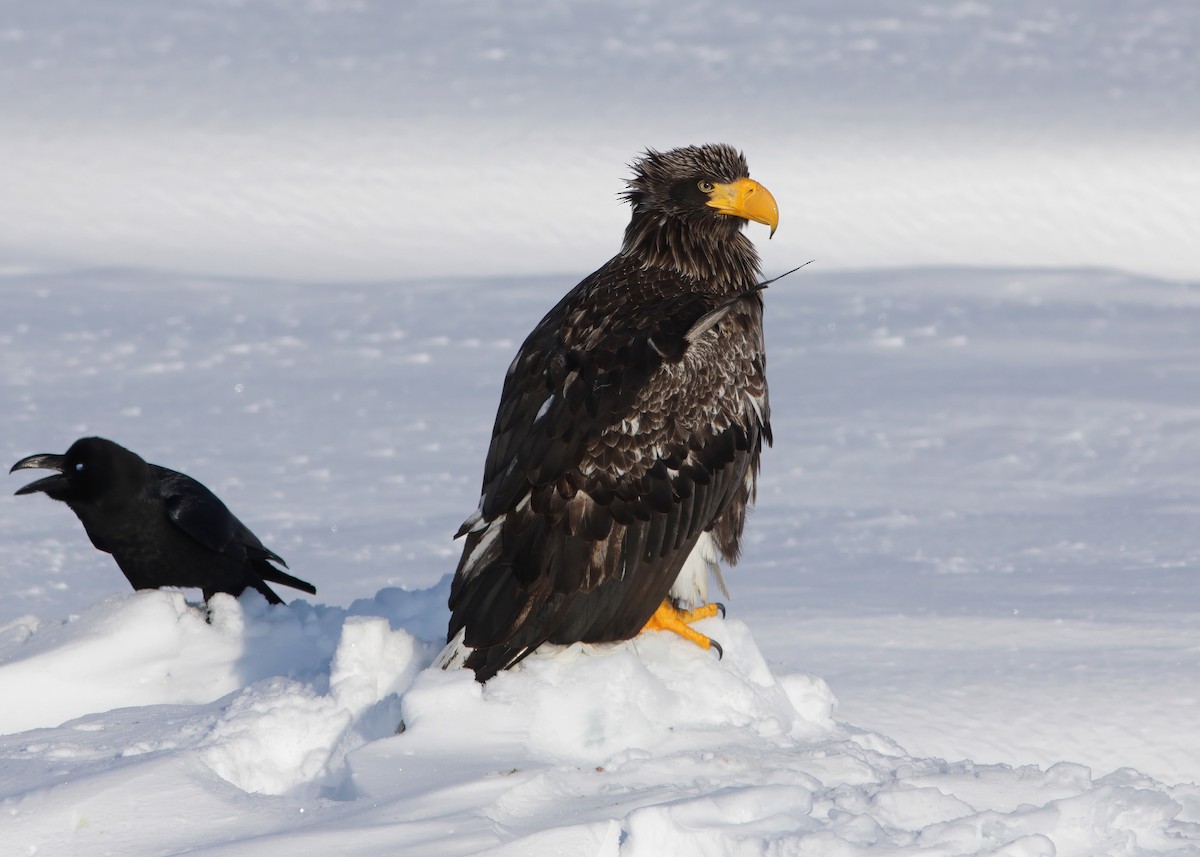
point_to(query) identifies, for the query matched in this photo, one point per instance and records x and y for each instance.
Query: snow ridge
(679, 753)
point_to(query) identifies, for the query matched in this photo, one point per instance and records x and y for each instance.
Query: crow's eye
(705, 185)
(79, 467)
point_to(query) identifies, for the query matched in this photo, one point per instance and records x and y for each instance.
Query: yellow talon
(705, 611)
(668, 617)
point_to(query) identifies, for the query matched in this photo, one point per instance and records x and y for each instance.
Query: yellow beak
(746, 198)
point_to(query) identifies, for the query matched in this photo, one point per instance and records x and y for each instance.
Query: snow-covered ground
(290, 248)
(367, 139)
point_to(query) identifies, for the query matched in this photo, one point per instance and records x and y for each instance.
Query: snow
(366, 140)
(289, 249)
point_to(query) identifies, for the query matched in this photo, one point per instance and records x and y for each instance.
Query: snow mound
(651, 747)
(154, 648)
(237, 735)
(656, 690)
(281, 734)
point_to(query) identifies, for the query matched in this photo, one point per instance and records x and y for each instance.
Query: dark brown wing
(628, 424)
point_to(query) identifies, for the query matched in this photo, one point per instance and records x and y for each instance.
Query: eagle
(626, 446)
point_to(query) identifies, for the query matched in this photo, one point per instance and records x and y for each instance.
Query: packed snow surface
(975, 527)
(289, 249)
(645, 748)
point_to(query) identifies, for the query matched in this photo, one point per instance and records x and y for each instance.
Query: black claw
(720, 607)
(720, 652)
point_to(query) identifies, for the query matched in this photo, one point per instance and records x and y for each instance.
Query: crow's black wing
(200, 514)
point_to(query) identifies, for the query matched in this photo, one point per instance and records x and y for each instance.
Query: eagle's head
(705, 188)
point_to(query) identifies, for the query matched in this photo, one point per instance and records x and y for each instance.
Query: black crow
(163, 528)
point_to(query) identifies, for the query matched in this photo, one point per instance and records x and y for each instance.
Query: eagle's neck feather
(713, 252)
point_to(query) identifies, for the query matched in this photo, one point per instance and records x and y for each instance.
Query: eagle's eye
(705, 185)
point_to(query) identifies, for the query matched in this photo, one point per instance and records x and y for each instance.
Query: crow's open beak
(42, 461)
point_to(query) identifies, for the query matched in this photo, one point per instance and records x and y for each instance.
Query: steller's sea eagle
(626, 445)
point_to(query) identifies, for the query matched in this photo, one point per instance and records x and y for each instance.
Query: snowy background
(289, 248)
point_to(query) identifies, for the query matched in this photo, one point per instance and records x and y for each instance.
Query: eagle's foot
(704, 611)
(668, 617)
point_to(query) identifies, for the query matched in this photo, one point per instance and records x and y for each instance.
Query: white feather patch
(454, 655)
(691, 586)
(491, 532)
(756, 403)
(475, 521)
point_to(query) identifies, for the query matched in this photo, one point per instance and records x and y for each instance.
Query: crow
(163, 528)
